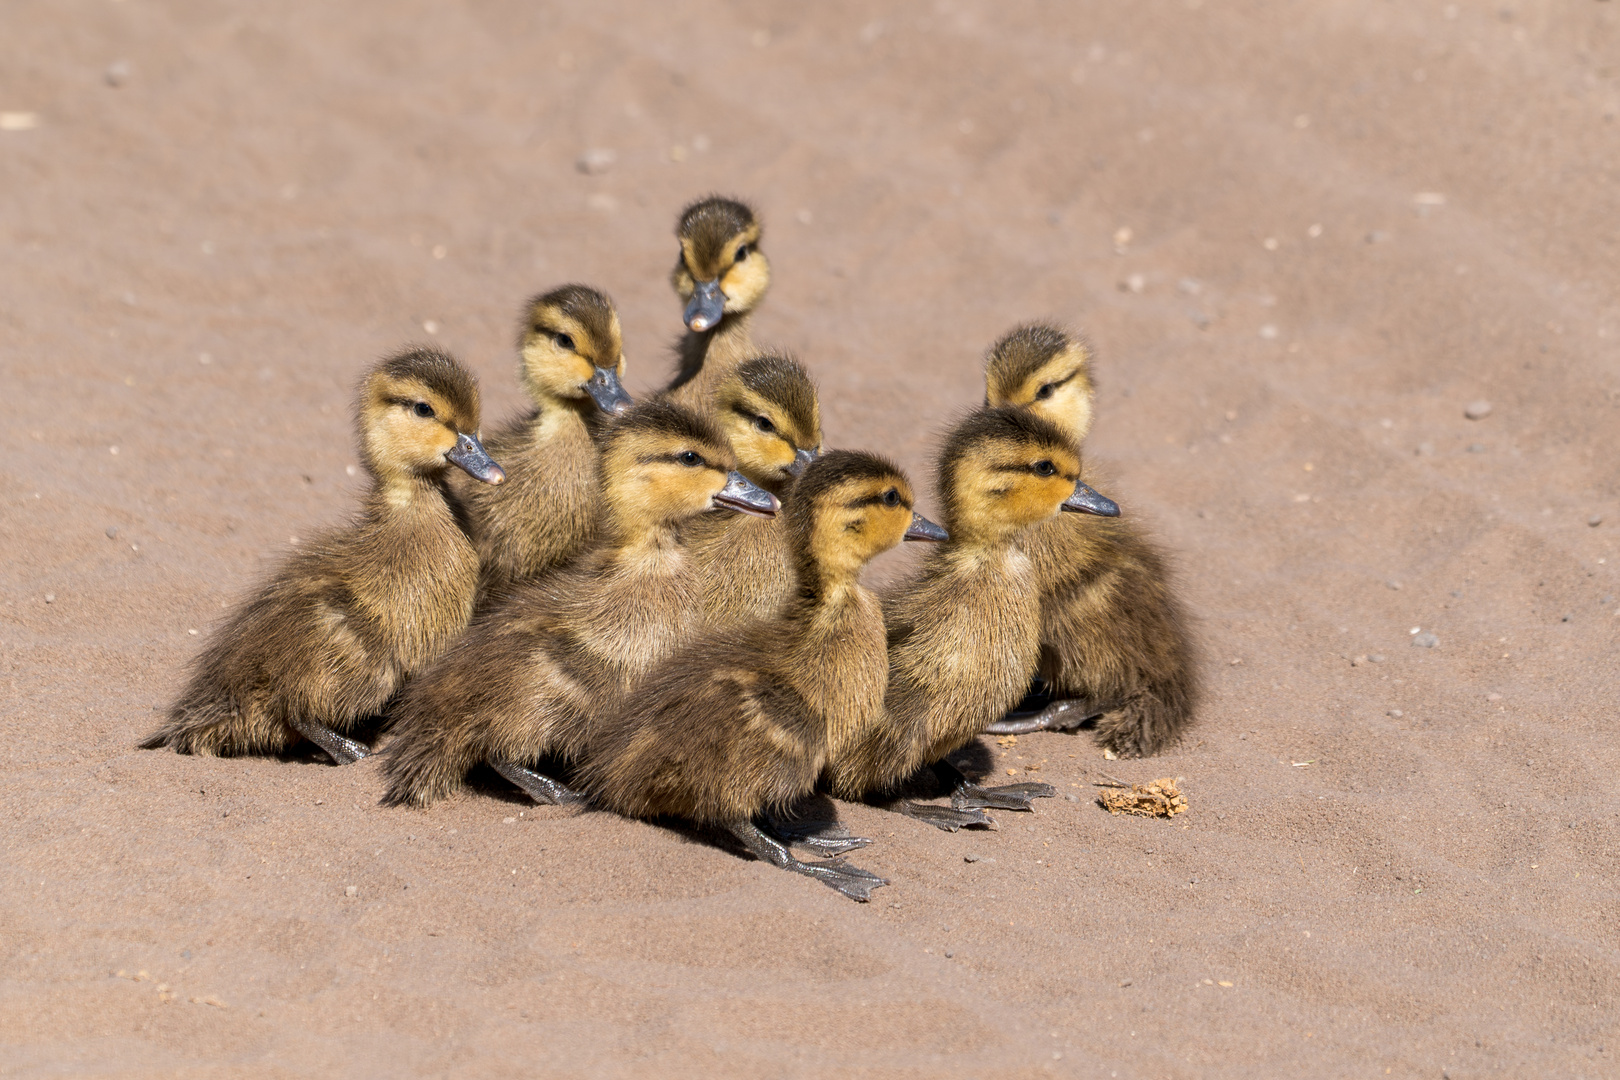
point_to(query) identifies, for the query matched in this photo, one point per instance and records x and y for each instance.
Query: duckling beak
(1086, 500)
(801, 462)
(923, 529)
(468, 453)
(607, 392)
(708, 303)
(745, 497)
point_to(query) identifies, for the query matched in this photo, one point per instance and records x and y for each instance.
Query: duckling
(964, 634)
(355, 613)
(1115, 646)
(570, 362)
(722, 275)
(768, 410)
(738, 724)
(524, 679)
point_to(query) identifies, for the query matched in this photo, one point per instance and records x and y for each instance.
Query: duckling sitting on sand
(737, 725)
(355, 613)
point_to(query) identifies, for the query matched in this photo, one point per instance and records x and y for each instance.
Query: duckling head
(662, 463)
(769, 411)
(1045, 370)
(1002, 470)
(419, 415)
(721, 270)
(570, 349)
(851, 506)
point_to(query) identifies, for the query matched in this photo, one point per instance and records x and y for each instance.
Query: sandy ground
(1303, 237)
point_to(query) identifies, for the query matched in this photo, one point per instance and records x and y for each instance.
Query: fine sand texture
(1303, 238)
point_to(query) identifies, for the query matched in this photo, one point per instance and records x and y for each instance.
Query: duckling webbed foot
(966, 795)
(340, 748)
(825, 838)
(852, 881)
(542, 789)
(948, 818)
(1065, 714)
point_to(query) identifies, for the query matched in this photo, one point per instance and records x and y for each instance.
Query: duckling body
(528, 675)
(721, 275)
(964, 634)
(333, 635)
(1115, 646)
(570, 363)
(739, 724)
(745, 565)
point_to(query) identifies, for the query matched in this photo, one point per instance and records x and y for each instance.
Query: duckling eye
(742, 253)
(891, 498)
(1045, 392)
(564, 342)
(763, 423)
(1044, 468)
(423, 409)
(690, 457)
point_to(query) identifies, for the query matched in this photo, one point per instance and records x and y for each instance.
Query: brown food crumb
(1160, 798)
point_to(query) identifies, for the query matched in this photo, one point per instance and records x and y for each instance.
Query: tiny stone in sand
(1477, 410)
(117, 73)
(351, 890)
(112, 532)
(1595, 520)
(596, 161)
(1425, 640)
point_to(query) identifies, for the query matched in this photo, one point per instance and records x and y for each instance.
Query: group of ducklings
(662, 603)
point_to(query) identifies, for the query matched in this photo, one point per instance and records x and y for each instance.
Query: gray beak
(708, 303)
(801, 461)
(468, 453)
(606, 391)
(923, 529)
(1086, 500)
(746, 497)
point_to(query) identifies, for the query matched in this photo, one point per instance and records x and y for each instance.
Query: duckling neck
(708, 357)
(837, 659)
(647, 549)
(399, 492)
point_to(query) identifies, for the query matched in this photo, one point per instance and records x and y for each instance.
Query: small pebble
(1425, 640)
(949, 954)
(1396, 713)
(1477, 410)
(1376, 658)
(1595, 520)
(596, 161)
(351, 890)
(1393, 585)
(1476, 448)
(1072, 798)
(1135, 283)
(112, 532)
(1606, 600)
(1269, 332)
(50, 598)
(1425, 449)
(1567, 618)
(1493, 697)
(508, 821)
(972, 858)
(117, 73)
(1377, 236)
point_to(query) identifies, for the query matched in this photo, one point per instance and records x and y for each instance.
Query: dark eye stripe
(873, 500)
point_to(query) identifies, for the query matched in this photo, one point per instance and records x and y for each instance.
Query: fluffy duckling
(358, 611)
(768, 410)
(522, 682)
(722, 275)
(1114, 643)
(570, 362)
(964, 635)
(737, 725)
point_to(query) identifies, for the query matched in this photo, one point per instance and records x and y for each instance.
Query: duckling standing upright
(356, 612)
(570, 363)
(1114, 642)
(768, 410)
(737, 725)
(722, 275)
(522, 682)
(964, 635)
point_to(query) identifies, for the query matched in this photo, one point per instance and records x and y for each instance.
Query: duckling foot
(947, 818)
(825, 838)
(542, 789)
(852, 881)
(342, 749)
(1065, 714)
(1010, 797)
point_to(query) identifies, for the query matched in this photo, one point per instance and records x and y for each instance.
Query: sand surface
(1303, 238)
